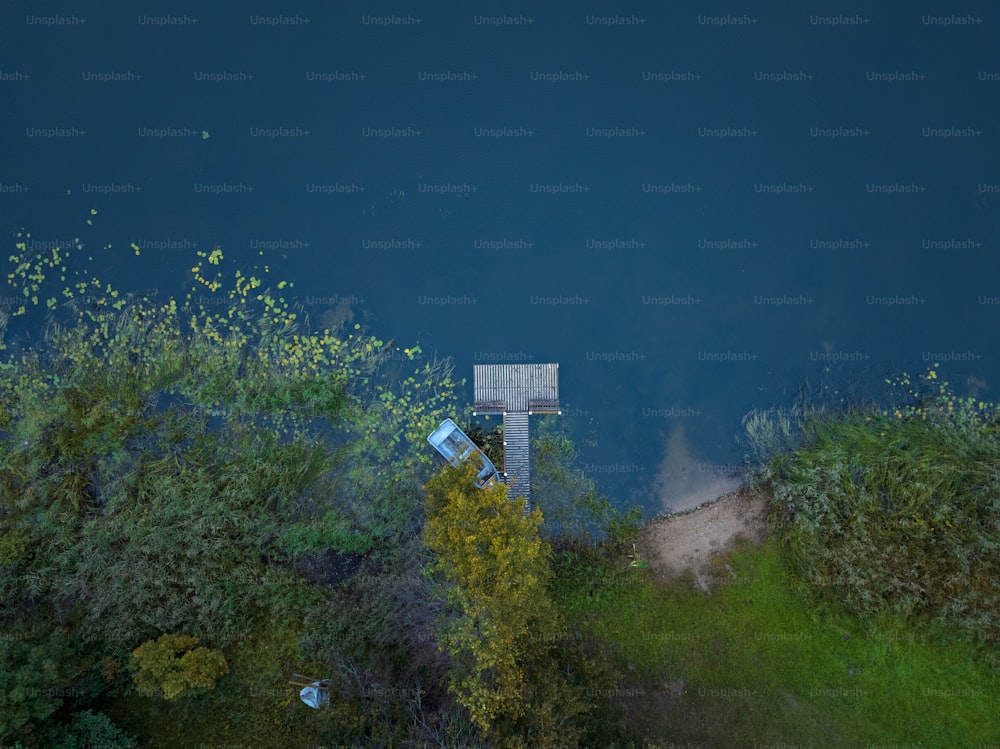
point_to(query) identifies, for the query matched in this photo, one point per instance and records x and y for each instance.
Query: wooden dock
(517, 456)
(516, 391)
(520, 388)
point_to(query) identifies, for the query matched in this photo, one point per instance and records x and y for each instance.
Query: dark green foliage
(179, 552)
(146, 511)
(380, 618)
(164, 467)
(36, 677)
(374, 637)
(491, 442)
(331, 532)
(89, 730)
(385, 505)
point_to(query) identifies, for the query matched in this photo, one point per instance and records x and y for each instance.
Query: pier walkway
(516, 391)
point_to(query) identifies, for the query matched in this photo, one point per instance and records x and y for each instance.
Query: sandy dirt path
(676, 543)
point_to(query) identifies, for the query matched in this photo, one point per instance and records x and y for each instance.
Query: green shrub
(331, 532)
(898, 510)
(35, 675)
(171, 665)
(89, 730)
(14, 544)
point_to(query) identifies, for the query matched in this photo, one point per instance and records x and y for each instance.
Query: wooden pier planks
(516, 391)
(516, 387)
(517, 456)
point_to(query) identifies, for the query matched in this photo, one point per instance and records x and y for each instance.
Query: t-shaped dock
(516, 391)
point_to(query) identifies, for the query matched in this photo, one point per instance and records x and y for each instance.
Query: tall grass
(896, 510)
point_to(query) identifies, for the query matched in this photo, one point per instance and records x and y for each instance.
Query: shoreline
(742, 488)
(688, 541)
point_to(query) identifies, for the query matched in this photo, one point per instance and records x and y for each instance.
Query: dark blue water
(692, 210)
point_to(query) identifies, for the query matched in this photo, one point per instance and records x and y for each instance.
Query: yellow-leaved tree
(503, 623)
(160, 666)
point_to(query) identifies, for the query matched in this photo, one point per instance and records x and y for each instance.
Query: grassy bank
(870, 616)
(756, 663)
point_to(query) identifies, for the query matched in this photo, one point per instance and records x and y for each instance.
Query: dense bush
(372, 635)
(501, 625)
(171, 665)
(177, 467)
(898, 510)
(89, 730)
(36, 677)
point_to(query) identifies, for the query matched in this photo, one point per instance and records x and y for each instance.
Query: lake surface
(693, 214)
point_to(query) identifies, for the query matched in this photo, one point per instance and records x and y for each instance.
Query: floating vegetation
(252, 357)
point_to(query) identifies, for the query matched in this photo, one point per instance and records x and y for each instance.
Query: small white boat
(456, 447)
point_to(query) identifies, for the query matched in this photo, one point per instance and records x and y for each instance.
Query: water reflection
(684, 481)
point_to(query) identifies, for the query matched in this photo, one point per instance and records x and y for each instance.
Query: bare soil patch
(675, 544)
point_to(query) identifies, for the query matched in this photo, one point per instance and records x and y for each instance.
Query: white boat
(457, 448)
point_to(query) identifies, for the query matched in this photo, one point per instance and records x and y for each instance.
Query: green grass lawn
(754, 664)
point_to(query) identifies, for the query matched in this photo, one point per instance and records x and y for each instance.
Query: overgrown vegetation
(172, 474)
(897, 511)
(166, 469)
(489, 441)
(195, 505)
(502, 624)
